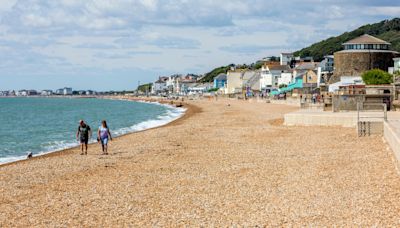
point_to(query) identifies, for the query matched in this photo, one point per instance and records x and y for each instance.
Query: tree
(209, 77)
(377, 77)
(145, 87)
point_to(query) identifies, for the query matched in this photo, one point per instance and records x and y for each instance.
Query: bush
(377, 77)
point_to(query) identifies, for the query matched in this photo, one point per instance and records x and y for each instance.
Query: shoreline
(225, 162)
(187, 113)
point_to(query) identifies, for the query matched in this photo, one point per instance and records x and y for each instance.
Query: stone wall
(346, 102)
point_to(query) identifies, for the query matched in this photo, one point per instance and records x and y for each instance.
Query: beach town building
(186, 82)
(305, 67)
(310, 80)
(4, 93)
(59, 91)
(67, 91)
(46, 93)
(198, 88)
(271, 75)
(243, 80)
(361, 54)
(22, 93)
(325, 71)
(286, 58)
(220, 81)
(345, 81)
(327, 64)
(64, 91)
(160, 86)
(251, 82)
(172, 83)
(91, 92)
(179, 84)
(234, 81)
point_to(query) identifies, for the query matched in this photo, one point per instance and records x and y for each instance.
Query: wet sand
(219, 165)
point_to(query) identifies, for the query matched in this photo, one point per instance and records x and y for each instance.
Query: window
(362, 46)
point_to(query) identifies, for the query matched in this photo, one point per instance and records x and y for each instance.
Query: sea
(44, 125)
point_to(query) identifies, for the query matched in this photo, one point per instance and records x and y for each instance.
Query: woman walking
(103, 135)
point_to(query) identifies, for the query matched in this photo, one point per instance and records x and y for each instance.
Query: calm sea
(42, 125)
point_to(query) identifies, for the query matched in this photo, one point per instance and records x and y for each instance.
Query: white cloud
(393, 11)
(174, 34)
(7, 5)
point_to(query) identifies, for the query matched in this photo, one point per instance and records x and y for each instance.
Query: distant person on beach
(103, 134)
(83, 134)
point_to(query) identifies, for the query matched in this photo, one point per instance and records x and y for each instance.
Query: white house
(22, 93)
(199, 88)
(234, 81)
(46, 93)
(285, 79)
(344, 81)
(274, 75)
(160, 85)
(286, 58)
(67, 91)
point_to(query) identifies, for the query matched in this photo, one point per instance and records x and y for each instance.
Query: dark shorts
(84, 140)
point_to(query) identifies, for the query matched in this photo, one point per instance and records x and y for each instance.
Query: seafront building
(234, 82)
(64, 91)
(67, 91)
(274, 75)
(160, 86)
(286, 58)
(362, 54)
(46, 93)
(243, 81)
(220, 81)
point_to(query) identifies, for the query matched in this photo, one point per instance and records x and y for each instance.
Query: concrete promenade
(306, 117)
(390, 129)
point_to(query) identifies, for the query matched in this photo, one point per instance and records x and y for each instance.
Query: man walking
(83, 134)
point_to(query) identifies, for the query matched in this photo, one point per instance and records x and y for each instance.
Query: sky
(115, 44)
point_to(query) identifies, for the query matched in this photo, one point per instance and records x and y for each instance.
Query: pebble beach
(225, 163)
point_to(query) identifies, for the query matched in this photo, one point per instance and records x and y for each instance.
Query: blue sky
(113, 44)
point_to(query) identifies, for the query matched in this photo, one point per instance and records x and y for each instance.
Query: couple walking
(84, 133)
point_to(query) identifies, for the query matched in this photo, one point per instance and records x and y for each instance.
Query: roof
(300, 75)
(307, 66)
(254, 80)
(279, 67)
(367, 50)
(249, 74)
(366, 39)
(161, 80)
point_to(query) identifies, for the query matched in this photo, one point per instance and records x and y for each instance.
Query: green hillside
(209, 77)
(388, 30)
